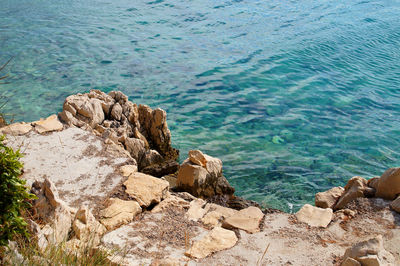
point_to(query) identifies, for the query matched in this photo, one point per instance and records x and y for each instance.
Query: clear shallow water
(294, 97)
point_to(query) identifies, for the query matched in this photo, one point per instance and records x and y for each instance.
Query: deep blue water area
(294, 96)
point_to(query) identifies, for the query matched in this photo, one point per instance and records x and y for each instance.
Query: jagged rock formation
(143, 132)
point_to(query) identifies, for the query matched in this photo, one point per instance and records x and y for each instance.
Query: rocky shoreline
(105, 172)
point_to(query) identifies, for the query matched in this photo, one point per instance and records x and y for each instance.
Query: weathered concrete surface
(81, 166)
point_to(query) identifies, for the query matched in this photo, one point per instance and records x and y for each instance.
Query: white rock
(314, 216)
(119, 212)
(196, 210)
(16, 129)
(146, 189)
(216, 240)
(49, 124)
(127, 170)
(247, 219)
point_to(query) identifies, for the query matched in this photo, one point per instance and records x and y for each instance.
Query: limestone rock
(48, 125)
(196, 210)
(146, 189)
(216, 213)
(328, 199)
(16, 129)
(82, 108)
(216, 240)
(314, 216)
(116, 112)
(203, 178)
(350, 262)
(396, 204)
(135, 147)
(171, 202)
(52, 211)
(127, 170)
(388, 186)
(150, 157)
(161, 169)
(119, 212)
(86, 227)
(247, 219)
(370, 252)
(356, 187)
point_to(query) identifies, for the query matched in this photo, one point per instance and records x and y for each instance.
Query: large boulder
(216, 240)
(369, 252)
(314, 216)
(328, 199)
(140, 130)
(388, 185)
(201, 175)
(356, 187)
(146, 189)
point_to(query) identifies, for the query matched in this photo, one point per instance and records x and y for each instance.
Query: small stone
(48, 125)
(171, 202)
(196, 210)
(328, 199)
(314, 216)
(16, 129)
(396, 204)
(212, 218)
(146, 189)
(119, 212)
(216, 240)
(370, 260)
(247, 219)
(350, 262)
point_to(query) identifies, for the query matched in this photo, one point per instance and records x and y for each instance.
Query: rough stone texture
(119, 212)
(16, 129)
(48, 125)
(50, 209)
(328, 199)
(314, 216)
(204, 177)
(218, 239)
(82, 167)
(171, 202)
(161, 169)
(247, 219)
(127, 170)
(142, 131)
(350, 262)
(216, 213)
(370, 252)
(146, 189)
(388, 186)
(356, 187)
(86, 227)
(196, 210)
(396, 204)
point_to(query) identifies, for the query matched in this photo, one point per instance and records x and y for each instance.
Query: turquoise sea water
(294, 96)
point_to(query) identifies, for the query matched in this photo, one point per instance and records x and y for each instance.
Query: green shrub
(14, 197)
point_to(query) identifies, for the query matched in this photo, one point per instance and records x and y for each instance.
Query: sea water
(294, 96)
